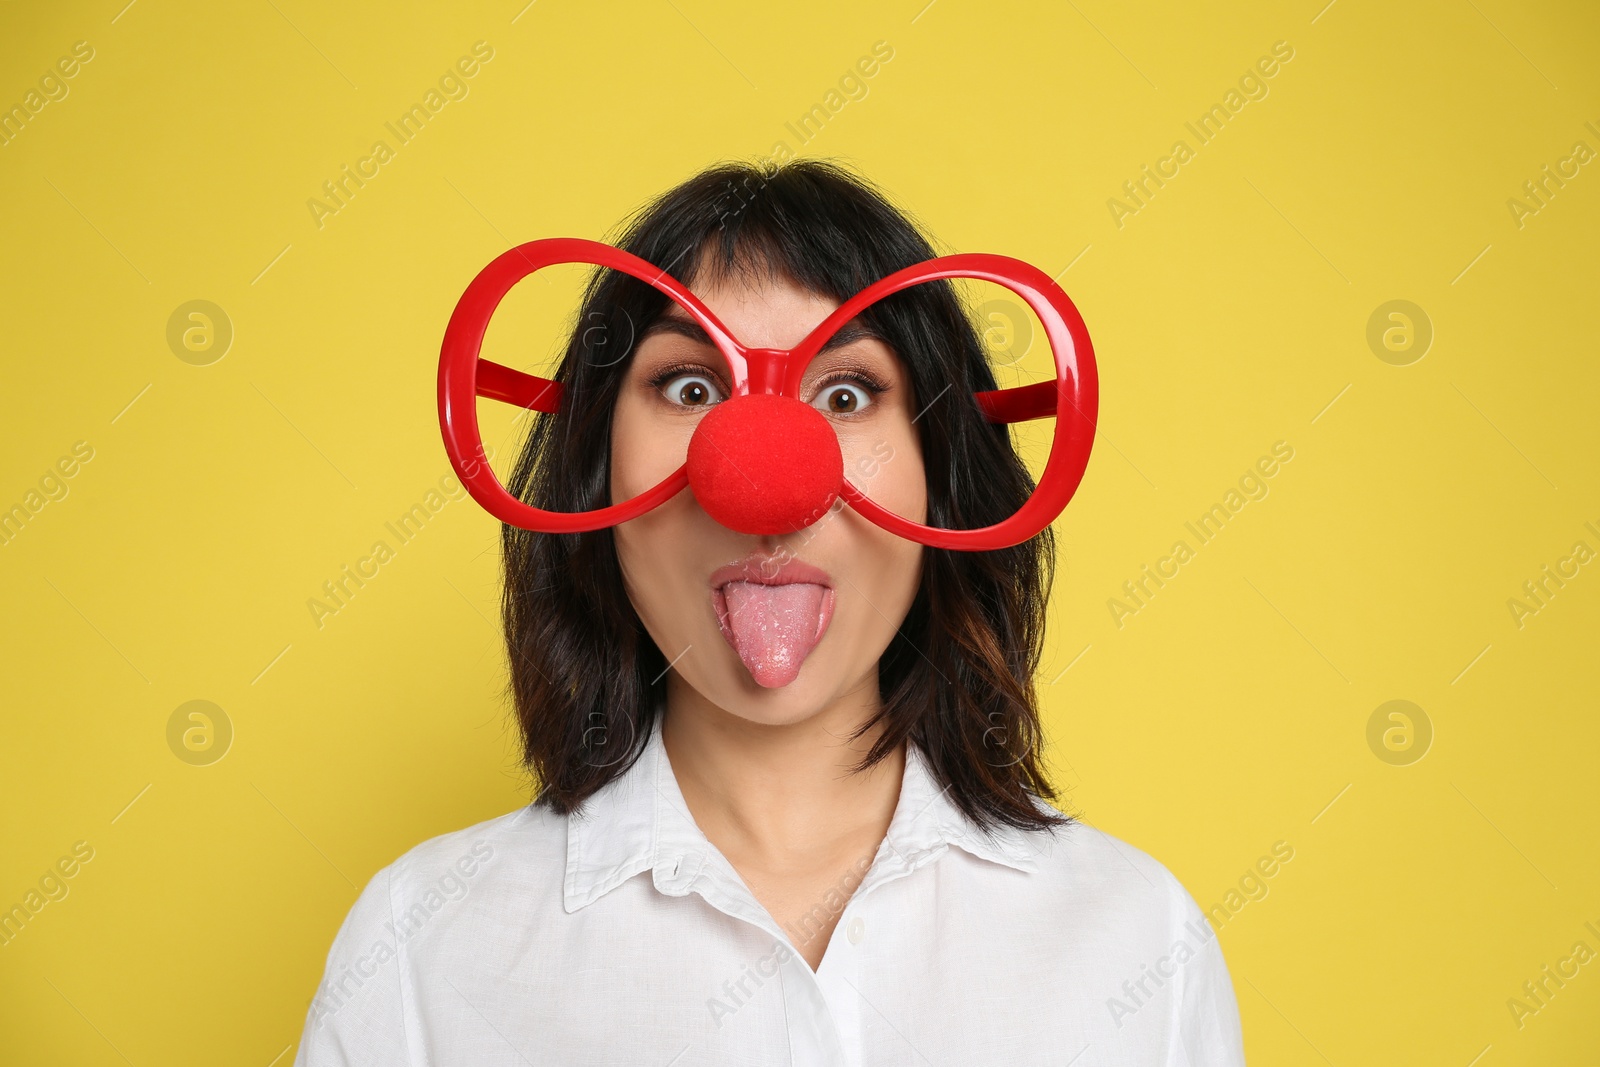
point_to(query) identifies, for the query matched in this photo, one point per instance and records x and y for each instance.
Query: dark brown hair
(587, 681)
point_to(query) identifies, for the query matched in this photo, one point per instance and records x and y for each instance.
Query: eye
(842, 398)
(691, 391)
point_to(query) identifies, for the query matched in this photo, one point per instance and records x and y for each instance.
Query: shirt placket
(813, 1033)
(825, 1011)
(838, 979)
(841, 975)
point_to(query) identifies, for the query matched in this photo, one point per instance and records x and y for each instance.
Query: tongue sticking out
(774, 627)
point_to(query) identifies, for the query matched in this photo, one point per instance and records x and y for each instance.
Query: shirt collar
(640, 822)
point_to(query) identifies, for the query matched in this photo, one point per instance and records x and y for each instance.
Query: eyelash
(861, 378)
(666, 374)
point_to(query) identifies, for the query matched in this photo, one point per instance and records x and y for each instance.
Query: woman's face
(738, 615)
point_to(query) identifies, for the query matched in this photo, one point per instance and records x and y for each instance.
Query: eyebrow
(848, 334)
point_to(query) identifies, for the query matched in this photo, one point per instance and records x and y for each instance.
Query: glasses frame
(1073, 398)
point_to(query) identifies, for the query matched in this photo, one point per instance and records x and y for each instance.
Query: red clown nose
(765, 464)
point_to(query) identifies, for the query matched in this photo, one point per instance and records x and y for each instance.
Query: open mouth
(772, 612)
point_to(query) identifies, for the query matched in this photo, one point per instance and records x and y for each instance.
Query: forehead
(762, 309)
(760, 323)
(761, 312)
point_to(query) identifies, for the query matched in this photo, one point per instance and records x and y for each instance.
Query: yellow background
(1229, 313)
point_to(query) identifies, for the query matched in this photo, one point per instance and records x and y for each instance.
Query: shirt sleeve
(1206, 1029)
(356, 1016)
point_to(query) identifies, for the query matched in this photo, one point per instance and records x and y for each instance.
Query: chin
(819, 686)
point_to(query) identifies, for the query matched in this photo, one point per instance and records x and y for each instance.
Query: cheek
(654, 553)
(655, 550)
(640, 455)
(885, 462)
(880, 573)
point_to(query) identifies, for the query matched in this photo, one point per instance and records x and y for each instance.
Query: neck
(782, 794)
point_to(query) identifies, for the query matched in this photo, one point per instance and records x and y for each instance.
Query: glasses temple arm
(515, 387)
(1020, 404)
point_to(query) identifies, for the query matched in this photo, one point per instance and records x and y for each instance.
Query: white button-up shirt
(621, 935)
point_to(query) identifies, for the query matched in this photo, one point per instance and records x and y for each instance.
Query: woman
(791, 807)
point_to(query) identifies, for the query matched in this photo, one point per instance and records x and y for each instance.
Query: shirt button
(856, 930)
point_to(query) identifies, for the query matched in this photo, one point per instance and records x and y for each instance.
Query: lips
(772, 612)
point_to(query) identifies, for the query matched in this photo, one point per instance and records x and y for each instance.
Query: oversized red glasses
(763, 461)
